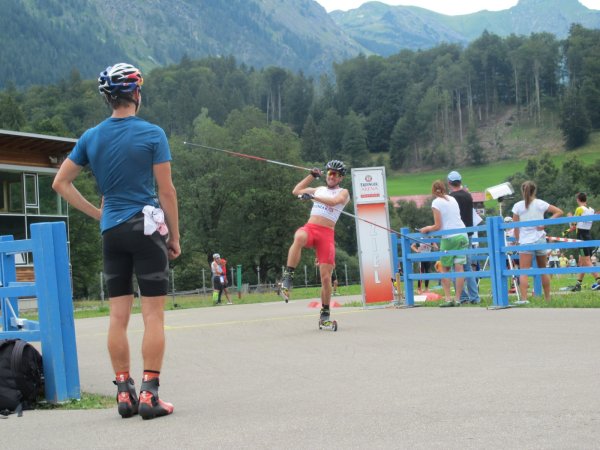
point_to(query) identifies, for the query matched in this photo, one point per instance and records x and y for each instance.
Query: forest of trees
(410, 110)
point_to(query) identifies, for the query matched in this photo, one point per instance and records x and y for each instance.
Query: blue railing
(52, 288)
(493, 249)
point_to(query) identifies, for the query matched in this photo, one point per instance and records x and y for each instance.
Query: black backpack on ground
(21, 376)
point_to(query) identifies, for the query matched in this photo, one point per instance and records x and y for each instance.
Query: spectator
(554, 259)
(584, 234)
(573, 263)
(528, 209)
(446, 216)
(465, 205)
(563, 261)
(225, 281)
(424, 266)
(218, 278)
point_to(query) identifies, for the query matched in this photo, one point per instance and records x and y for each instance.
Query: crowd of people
(452, 209)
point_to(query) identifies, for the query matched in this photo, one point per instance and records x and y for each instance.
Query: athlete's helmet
(507, 219)
(119, 79)
(336, 165)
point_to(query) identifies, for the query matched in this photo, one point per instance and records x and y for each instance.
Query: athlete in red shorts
(318, 232)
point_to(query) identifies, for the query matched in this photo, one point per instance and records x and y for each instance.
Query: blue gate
(493, 249)
(52, 287)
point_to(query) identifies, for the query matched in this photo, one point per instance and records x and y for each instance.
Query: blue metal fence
(492, 248)
(52, 287)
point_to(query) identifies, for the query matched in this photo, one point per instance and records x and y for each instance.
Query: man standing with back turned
(465, 204)
(127, 156)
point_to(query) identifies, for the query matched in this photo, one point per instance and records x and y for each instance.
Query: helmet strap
(136, 99)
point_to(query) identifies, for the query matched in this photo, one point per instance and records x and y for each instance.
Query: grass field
(479, 178)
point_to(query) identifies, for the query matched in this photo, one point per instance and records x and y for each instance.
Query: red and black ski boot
(127, 399)
(150, 405)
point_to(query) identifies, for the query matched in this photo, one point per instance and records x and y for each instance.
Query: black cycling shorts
(126, 249)
(217, 284)
(585, 235)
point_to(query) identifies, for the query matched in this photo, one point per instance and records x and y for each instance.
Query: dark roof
(50, 145)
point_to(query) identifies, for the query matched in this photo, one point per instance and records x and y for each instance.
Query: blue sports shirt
(121, 154)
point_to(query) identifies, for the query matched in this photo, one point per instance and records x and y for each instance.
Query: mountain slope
(385, 29)
(388, 29)
(44, 40)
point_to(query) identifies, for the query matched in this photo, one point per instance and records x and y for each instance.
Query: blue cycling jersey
(121, 153)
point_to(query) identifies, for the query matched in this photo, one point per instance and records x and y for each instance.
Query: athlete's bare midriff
(322, 221)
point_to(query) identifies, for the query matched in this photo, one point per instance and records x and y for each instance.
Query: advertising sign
(374, 243)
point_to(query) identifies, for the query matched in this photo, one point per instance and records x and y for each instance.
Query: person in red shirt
(225, 283)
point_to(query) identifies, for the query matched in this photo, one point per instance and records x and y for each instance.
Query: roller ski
(286, 285)
(127, 399)
(325, 322)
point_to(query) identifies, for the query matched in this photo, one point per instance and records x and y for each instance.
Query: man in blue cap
(465, 204)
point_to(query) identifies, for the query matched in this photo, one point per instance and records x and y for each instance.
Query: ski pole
(389, 230)
(258, 158)
(243, 155)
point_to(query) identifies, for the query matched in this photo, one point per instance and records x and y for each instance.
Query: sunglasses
(333, 173)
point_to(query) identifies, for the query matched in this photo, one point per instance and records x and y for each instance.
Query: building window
(11, 192)
(27, 198)
(50, 202)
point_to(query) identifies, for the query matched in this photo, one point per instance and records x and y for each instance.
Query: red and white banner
(561, 239)
(374, 243)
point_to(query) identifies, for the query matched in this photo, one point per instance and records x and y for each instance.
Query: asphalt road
(263, 376)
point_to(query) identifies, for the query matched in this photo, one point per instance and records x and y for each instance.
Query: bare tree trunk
(537, 93)
(528, 98)
(470, 102)
(273, 107)
(487, 97)
(459, 111)
(279, 101)
(517, 92)
(268, 104)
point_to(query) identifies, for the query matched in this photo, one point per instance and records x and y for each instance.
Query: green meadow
(478, 178)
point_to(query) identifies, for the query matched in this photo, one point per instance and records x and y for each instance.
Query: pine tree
(312, 148)
(574, 123)
(354, 142)
(475, 152)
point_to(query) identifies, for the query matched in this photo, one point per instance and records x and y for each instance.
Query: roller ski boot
(286, 285)
(150, 405)
(325, 321)
(127, 399)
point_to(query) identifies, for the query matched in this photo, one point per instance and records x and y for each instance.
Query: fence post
(346, 273)
(409, 294)
(101, 288)
(55, 304)
(8, 274)
(305, 275)
(537, 279)
(239, 280)
(496, 259)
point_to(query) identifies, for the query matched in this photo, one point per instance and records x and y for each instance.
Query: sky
(448, 7)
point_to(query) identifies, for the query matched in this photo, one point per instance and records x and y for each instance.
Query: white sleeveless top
(319, 209)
